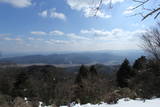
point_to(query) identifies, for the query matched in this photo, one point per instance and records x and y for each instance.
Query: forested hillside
(90, 84)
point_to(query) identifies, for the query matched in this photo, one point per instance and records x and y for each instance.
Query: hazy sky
(69, 25)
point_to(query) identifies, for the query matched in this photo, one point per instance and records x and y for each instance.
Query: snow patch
(125, 103)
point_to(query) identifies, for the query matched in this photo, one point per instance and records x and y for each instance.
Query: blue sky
(38, 26)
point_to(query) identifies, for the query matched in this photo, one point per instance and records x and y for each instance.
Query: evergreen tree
(20, 85)
(124, 74)
(93, 70)
(83, 73)
(140, 63)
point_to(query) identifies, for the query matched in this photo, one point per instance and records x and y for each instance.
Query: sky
(39, 26)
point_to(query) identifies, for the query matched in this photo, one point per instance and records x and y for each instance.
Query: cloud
(95, 32)
(30, 38)
(114, 39)
(113, 35)
(53, 41)
(93, 39)
(43, 13)
(88, 35)
(96, 39)
(94, 36)
(129, 10)
(12, 39)
(1, 35)
(84, 40)
(103, 15)
(34, 39)
(38, 33)
(90, 13)
(18, 3)
(56, 32)
(52, 13)
(58, 15)
(71, 36)
(77, 37)
(88, 7)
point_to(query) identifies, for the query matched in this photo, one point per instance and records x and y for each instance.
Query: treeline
(142, 78)
(139, 80)
(53, 85)
(36, 83)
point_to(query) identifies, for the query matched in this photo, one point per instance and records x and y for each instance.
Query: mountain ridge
(75, 58)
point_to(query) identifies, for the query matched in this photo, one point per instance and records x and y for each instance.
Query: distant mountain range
(112, 57)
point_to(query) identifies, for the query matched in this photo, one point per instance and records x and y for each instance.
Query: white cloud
(129, 10)
(34, 39)
(114, 39)
(58, 15)
(96, 39)
(53, 41)
(85, 40)
(59, 41)
(71, 36)
(43, 13)
(88, 7)
(113, 35)
(95, 32)
(93, 39)
(18, 3)
(81, 4)
(103, 15)
(74, 36)
(52, 13)
(38, 33)
(88, 12)
(30, 38)
(56, 32)
(12, 39)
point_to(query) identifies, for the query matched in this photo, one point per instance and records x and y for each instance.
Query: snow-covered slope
(126, 103)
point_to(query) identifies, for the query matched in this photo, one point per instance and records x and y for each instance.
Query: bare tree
(151, 41)
(145, 11)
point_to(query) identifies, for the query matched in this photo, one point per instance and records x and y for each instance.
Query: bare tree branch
(144, 12)
(157, 15)
(152, 12)
(141, 3)
(151, 41)
(100, 5)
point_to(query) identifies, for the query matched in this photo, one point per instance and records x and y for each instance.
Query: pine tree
(140, 63)
(93, 70)
(20, 84)
(124, 74)
(83, 73)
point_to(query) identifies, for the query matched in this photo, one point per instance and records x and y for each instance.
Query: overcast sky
(69, 25)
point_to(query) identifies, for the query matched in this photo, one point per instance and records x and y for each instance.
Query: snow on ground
(124, 103)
